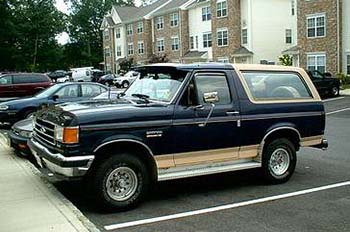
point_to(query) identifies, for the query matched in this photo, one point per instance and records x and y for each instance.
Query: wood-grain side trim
(309, 141)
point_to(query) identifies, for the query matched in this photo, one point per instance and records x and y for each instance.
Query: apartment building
(237, 31)
(323, 42)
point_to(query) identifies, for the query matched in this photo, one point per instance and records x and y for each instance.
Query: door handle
(232, 113)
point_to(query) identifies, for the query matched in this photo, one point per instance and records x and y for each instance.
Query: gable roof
(132, 13)
(171, 6)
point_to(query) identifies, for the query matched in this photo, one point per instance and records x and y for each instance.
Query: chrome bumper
(76, 166)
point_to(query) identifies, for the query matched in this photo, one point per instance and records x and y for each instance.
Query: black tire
(115, 164)
(125, 84)
(27, 113)
(273, 149)
(334, 91)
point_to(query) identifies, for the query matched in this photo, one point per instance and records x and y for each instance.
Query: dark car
(15, 110)
(23, 84)
(183, 120)
(325, 83)
(22, 130)
(106, 79)
(57, 74)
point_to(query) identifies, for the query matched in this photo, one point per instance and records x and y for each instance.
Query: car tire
(279, 161)
(335, 91)
(27, 113)
(121, 182)
(125, 84)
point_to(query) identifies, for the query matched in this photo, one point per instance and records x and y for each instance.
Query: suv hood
(102, 112)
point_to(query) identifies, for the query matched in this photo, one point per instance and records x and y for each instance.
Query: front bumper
(75, 166)
(19, 143)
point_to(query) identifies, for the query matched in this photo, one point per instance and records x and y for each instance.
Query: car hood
(21, 101)
(24, 125)
(105, 112)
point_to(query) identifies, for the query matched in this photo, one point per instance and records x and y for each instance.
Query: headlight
(4, 107)
(26, 134)
(67, 135)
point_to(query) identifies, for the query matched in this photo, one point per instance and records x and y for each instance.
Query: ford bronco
(177, 121)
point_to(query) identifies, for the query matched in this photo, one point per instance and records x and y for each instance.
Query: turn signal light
(70, 135)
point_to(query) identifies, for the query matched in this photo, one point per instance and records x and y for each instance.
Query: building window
(221, 8)
(130, 49)
(191, 42)
(129, 29)
(222, 37)
(293, 7)
(196, 41)
(207, 40)
(160, 45)
(160, 22)
(288, 36)
(348, 64)
(206, 13)
(245, 36)
(174, 19)
(119, 50)
(316, 26)
(175, 43)
(107, 52)
(106, 34)
(223, 60)
(139, 27)
(316, 62)
(140, 47)
(117, 33)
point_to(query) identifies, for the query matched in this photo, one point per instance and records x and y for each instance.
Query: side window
(38, 79)
(69, 91)
(91, 90)
(22, 79)
(213, 82)
(276, 85)
(5, 80)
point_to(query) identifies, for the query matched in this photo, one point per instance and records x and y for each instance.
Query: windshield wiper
(143, 97)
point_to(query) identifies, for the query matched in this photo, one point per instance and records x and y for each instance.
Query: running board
(200, 170)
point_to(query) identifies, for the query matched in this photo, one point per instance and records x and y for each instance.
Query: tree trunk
(35, 52)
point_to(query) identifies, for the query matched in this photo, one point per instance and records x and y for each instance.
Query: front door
(205, 132)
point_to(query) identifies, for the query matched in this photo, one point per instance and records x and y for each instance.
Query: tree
(160, 58)
(84, 28)
(286, 60)
(125, 65)
(32, 27)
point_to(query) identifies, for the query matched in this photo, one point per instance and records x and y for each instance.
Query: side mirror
(211, 97)
(55, 97)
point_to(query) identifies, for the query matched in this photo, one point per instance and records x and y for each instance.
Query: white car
(126, 80)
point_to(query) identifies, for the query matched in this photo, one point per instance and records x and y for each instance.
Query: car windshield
(157, 85)
(48, 92)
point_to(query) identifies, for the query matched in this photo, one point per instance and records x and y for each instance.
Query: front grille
(45, 131)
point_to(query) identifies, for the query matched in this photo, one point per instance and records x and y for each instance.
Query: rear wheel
(121, 182)
(279, 161)
(335, 91)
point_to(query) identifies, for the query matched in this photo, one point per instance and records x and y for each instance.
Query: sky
(63, 38)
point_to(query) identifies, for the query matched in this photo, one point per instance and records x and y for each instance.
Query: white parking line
(223, 207)
(337, 111)
(333, 99)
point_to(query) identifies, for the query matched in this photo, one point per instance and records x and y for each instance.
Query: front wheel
(279, 161)
(121, 182)
(125, 84)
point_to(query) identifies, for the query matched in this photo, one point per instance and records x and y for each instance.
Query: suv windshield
(157, 85)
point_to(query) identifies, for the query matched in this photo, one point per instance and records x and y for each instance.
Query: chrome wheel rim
(279, 162)
(125, 85)
(335, 91)
(121, 183)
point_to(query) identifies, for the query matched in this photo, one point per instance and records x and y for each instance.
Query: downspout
(338, 37)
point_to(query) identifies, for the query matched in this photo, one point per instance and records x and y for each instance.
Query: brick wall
(327, 44)
(233, 23)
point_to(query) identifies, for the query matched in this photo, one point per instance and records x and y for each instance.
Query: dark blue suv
(177, 121)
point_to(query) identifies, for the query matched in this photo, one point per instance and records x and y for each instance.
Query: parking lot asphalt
(308, 202)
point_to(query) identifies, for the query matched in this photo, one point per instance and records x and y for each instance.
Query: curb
(72, 214)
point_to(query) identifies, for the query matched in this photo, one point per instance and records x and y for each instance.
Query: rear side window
(276, 85)
(91, 90)
(5, 80)
(213, 82)
(70, 91)
(29, 78)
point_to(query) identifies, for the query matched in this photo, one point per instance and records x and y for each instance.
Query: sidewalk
(29, 203)
(345, 92)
